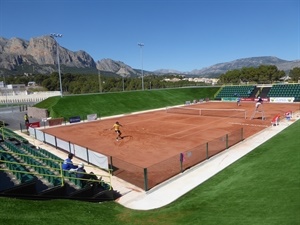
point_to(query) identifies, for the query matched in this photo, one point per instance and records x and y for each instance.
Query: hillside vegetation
(109, 104)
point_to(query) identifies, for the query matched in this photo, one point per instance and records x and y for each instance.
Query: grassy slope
(261, 188)
(122, 102)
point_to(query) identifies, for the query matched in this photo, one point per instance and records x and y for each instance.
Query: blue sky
(177, 34)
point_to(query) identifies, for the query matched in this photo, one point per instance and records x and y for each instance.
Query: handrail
(59, 170)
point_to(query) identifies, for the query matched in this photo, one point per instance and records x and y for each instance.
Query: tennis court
(155, 139)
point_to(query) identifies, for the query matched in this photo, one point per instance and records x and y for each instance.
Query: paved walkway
(165, 193)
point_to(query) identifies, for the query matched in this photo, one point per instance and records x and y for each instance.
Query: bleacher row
(28, 172)
(246, 91)
(42, 166)
(235, 91)
(285, 90)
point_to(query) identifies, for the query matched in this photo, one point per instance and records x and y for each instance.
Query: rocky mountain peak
(114, 66)
(42, 51)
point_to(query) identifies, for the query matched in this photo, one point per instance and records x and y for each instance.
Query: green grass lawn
(261, 188)
(109, 104)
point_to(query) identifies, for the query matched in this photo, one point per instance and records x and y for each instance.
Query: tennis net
(234, 113)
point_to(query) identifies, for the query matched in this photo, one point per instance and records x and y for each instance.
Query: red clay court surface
(152, 137)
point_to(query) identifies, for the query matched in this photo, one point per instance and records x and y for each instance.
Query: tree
(262, 74)
(295, 74)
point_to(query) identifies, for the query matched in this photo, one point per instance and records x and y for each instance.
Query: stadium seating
(19, 170)
(285, 90)
(34, 168)
(279, 90)
(34, 163)
(235, 91)
(9, 134)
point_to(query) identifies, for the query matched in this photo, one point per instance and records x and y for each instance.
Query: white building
(17, 93)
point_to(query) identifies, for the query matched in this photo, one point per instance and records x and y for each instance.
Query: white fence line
(35, 97)
(81, 152)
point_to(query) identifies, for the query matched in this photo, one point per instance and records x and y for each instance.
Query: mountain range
(39, 55)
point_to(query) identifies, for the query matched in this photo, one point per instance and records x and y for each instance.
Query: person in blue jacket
(68, 164)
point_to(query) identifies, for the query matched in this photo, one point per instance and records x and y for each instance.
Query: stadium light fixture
(141, 47)
(54, 36)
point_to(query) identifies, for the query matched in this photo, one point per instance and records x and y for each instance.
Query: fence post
(242, 133)
(181, 157)
(44, 137)
(87, 155)
(145, 179)
(226, 141)
(35, 136)
(111, 165)
(55, 140)
(2, 129)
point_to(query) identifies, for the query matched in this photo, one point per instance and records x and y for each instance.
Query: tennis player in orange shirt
(117, 126)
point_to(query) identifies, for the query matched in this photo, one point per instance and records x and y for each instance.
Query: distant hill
(220, 68)
(38, 55)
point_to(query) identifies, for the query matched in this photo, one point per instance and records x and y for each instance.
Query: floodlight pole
(5, 88)
(141, 47)
(99, 77)
(58, 61)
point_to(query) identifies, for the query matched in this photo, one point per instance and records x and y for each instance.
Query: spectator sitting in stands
(68, 164)
(81, 174)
